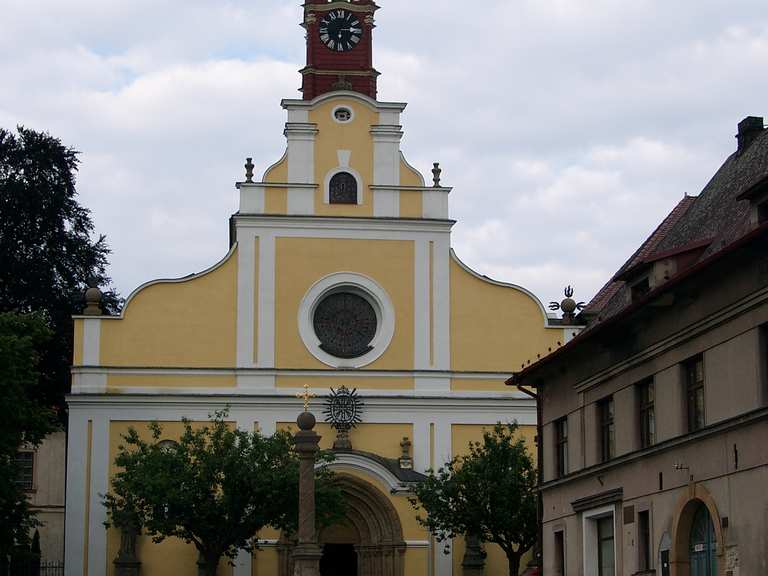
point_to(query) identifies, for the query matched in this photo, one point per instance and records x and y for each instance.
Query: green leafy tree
(489, 492)
(47, 253)
(216, 488)
(25, 421)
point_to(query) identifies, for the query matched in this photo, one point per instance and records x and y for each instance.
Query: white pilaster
(266, 337)
(74, 516)
(91, 341)
(251, 197)
(386, 169)
(421, 456)
(441, 303)
(435, 203)
(243, 562)
(422, 309)
(301, 165)
(97, 533)
(246, 266)
(443, 454)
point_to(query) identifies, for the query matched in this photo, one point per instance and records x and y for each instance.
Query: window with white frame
(599, 533)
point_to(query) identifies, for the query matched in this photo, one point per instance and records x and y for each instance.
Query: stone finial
(568, 306)
(406, 462)
(249, 170)
(436, 172)
(93, 298)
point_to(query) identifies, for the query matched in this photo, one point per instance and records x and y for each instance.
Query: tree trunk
(514, 564)
(208, 564)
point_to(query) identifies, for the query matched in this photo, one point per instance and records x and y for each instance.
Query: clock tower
(339, 47)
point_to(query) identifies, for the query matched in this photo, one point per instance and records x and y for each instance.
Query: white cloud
(567, 128)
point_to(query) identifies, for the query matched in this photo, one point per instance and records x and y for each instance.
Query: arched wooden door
(702, 549)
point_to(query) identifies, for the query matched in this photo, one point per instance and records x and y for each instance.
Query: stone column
(307, 554)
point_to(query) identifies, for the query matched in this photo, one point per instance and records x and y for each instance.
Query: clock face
(341, 30)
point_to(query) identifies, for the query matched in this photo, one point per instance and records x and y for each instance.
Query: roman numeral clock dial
(341, 30)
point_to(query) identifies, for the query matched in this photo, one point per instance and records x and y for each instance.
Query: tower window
(342, 189)
(25, 464)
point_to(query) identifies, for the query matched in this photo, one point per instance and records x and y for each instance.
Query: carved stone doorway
(371, 528)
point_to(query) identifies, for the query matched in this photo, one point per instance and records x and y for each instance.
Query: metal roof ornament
(343, 410)
(568, 306)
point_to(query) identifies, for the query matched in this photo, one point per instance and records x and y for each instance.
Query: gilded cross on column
(306, 556)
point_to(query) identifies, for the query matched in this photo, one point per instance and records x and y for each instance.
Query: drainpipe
(540, 458)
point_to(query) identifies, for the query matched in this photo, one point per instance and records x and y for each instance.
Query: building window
(640, 288)
(607, 429)
(25, 466)
(342, 189)
(646, 392)
(644, 540)
(764, 360)
(559, 553)
(561, 446)
(694, 382)
(762, 212)
(606, 560)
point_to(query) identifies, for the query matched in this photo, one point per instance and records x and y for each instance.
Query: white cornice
(289, 104)
(349, 223)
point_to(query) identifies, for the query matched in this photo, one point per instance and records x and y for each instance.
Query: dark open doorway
(338, 560)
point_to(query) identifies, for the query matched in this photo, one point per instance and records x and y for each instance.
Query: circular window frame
(343, 107)
(358, 284)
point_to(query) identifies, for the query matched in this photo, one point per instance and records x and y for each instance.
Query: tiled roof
(712, 220)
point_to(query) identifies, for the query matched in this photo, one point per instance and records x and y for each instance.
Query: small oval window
(343, 114)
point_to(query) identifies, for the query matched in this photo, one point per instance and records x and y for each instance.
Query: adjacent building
(654, 420)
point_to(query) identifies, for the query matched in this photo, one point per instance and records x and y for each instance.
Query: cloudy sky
(568, 128)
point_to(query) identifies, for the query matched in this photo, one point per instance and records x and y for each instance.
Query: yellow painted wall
(475, 385)
(77, 344)
(381, 439)
(301, 262)
(409, 176)
(354, 136)
(319, 383)
(276, 201)
(181, 324)
(117, 381)
(461, 436)
(411, 205)
(494, 327)
(278, 174)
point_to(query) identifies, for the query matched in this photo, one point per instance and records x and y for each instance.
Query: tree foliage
(489, 492)
(48, 256)
(216, 488)
(25, 421)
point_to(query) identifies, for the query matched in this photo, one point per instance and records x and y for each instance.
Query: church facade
(340, 272)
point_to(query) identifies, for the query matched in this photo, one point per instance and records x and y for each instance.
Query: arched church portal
(368, 542)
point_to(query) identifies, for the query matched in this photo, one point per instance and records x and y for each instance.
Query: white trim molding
(590, 542)
(368, 289)
(369, 467)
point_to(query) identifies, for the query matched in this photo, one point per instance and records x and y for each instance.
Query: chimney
(749, 129)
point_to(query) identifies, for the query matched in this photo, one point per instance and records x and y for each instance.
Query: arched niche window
(342, 189)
